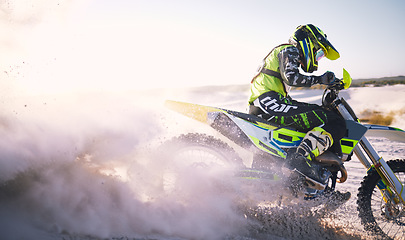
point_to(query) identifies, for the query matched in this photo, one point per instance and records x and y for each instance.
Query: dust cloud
(83, 167)
(80, 164)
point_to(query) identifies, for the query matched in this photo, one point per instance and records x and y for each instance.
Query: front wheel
(385, 218)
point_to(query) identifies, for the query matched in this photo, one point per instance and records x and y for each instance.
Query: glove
(327, 78)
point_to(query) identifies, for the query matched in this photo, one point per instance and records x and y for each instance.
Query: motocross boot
(315, 142)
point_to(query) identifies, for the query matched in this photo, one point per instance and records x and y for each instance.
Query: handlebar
(339, 84)
(332, 91)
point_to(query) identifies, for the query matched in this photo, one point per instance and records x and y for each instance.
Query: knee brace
(315, 142)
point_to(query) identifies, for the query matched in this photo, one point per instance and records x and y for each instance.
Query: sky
(104, 45)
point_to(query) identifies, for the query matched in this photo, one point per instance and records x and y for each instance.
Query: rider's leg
(283, 111)
(315, 142)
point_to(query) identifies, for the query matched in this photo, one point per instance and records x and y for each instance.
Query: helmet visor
(321, 40)
(331, 52)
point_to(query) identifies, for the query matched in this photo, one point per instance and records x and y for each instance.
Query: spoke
(193, 156)
(390, 221)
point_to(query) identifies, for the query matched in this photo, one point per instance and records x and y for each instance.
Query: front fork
(390, 186)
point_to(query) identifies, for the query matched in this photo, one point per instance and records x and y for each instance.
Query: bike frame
(366, 154)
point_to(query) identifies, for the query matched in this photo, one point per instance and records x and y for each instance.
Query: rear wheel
(386, 219)
(196, 152)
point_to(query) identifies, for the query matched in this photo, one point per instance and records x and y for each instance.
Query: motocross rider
(270, 100)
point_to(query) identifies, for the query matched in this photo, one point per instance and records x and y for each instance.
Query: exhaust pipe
(328, 158)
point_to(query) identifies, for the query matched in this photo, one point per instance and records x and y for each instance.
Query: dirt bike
(381, 196)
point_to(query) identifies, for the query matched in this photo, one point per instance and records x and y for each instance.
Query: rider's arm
(289, 64)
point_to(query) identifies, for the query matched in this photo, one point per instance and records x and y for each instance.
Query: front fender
(391, 133)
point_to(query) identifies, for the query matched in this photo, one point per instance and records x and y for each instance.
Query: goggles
(319, 54)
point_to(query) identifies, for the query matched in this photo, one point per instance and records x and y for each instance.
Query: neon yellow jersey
(262, 82)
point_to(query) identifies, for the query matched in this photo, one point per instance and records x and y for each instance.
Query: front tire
(384, 219)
